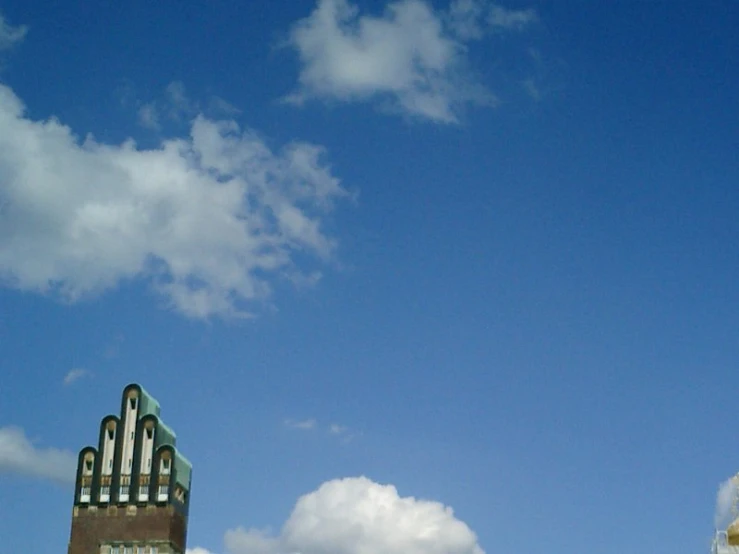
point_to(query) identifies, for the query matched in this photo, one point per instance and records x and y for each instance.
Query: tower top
(136, 461)
(148, 404)
(133, 489)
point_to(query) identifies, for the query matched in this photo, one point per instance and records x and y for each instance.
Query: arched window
(88, 464)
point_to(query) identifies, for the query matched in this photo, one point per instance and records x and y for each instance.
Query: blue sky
(483, 253)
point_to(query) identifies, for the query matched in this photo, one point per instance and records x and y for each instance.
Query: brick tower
(132, 492)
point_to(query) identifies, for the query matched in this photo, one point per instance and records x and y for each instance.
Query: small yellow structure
(732, 533)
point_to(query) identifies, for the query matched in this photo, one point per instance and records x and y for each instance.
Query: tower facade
(132, 492)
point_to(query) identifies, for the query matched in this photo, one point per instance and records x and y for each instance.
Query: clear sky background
(486, 254)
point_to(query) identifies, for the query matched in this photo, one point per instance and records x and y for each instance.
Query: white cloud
(197, 550)
(10, 35)
(208, 220)
(253, 541)
(359, 516)
(75, 374)
(19, 455)
(727, 499)
(305, 425)
(405, 56)
(413, 56)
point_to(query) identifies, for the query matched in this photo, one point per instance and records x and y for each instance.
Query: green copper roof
(183, 470)
(164, 435)
(148, 404)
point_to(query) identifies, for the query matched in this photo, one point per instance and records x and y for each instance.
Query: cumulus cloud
(208, 220)
(404, 56)
(74, 375)
(359, 516)
(726, 502)
(19, 455)
(412, 57)
(10, 35)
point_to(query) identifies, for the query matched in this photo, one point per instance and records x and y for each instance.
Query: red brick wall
(90, 527)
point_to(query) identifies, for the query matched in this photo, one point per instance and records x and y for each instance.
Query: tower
(132, 492)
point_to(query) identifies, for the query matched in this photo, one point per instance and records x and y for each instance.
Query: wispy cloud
(336, 429)
(473, 19)
(19, 455)
(341, 432)
(75, 374)
(466, 19)
(305, 425)
(149, 117)
(218, 105)
(176, 106)
(179, 104)
(412, 58)
(209, 220)
(10, 35)
(113, 346)
(532, 89)
(499, 17)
